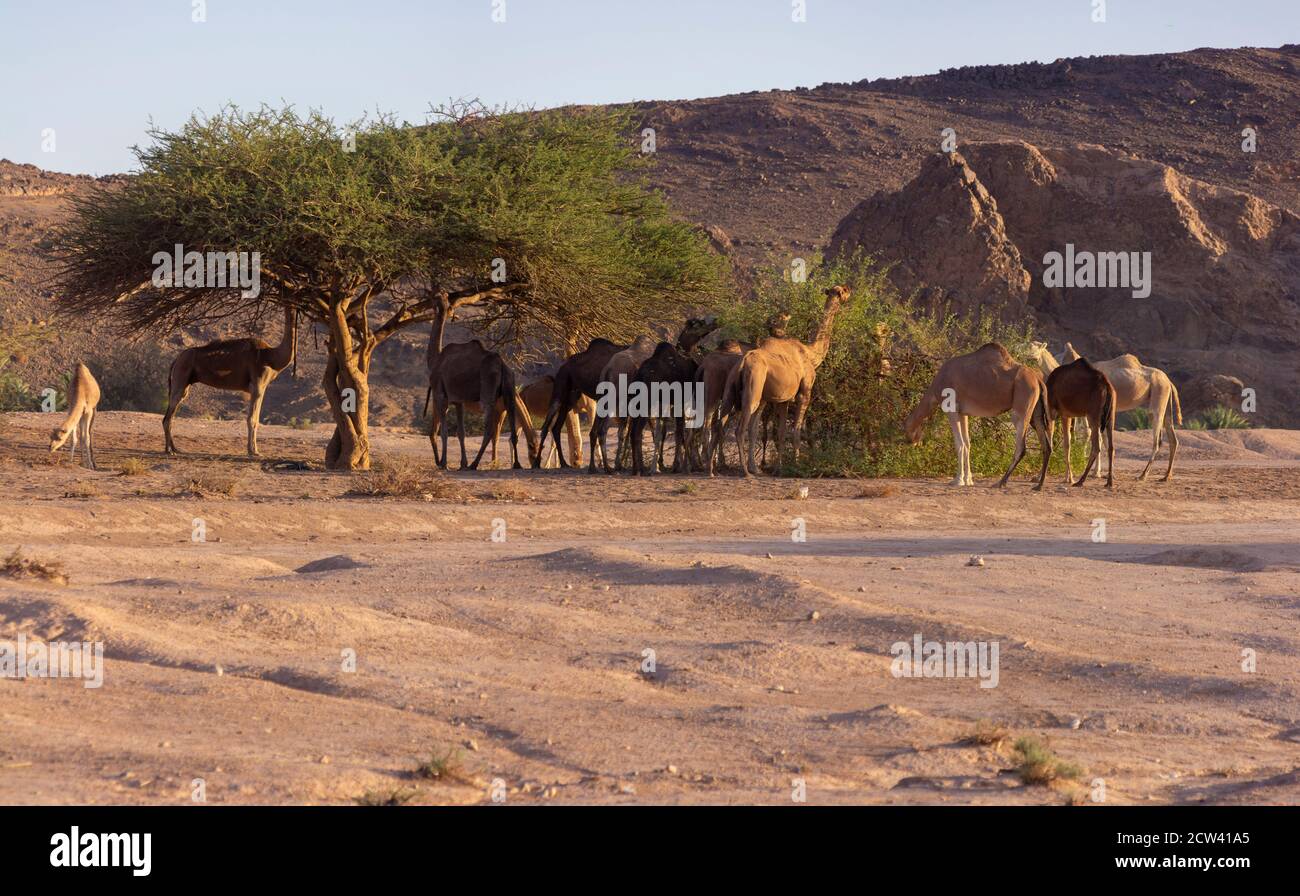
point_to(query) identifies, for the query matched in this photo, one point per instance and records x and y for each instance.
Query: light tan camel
(715, 369)
(1079, 389)
(987, 382)
(1138, 385)
(536, 398)
(779, 371)
(237, 365)
(80, 422)
(464, 373)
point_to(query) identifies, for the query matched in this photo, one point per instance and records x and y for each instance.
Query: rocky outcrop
(977, 230)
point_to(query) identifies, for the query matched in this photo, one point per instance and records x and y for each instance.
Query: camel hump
(995, 348)
(598, 342)
(730, 346)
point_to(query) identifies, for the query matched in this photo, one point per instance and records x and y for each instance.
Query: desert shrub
(1222, 417)
(207, 485)
(1137, 418)
(1039, 765)
(17, 566)
(133, 466)
(403, 477)
(15, 343)
(445, 767)
(882, 356)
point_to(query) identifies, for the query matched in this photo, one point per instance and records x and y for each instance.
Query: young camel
(779, 371)
(627, 363)
(1137, 385)
(80, 422)
(237, 365)
(461, 374)
(1079, 389)
(667, 367)
(986, 383)
(575, 386)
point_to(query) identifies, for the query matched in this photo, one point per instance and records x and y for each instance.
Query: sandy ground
(523, 658)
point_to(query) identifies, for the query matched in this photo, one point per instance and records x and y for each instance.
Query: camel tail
(1042, 412)
(428, 395)
(1108, 411)
(1178, 407)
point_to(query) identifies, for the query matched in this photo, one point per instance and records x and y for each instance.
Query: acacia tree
(539, 217)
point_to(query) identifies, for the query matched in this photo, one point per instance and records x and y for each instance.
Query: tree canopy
(540, 217)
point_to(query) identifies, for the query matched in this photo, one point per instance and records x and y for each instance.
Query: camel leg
(1173, 446)
(1068, 428)
(88, 421)
(256, 394)
(800, 410)
(1093, 454)
(460, 426)
(1156, 406)
(1020, 420)
(174, 399)
(959, 446)
(967, 478)
(1110, 448)
(1044, 446)
(574, 427)
(443, 423)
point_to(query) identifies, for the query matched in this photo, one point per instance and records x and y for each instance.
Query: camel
(237, 365)
(1138, 385)
(715, 369)
(668, 366)
(80, 422)
(626, 363)
(779, 371)
(986, 383)
(575, 385)
(1079, 389)
(536, 397)
(461, 374)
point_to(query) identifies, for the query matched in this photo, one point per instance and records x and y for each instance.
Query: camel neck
(822, 338)
(284, 353)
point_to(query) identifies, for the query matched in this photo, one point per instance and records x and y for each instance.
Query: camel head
(696, 329)
(1069, 354)
(58, 437)
(838, 294)
(914, 425)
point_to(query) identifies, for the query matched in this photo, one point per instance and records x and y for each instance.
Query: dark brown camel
(1079, 389)
(577, 377)
(673, 375)
(237, 365)
(462, 373)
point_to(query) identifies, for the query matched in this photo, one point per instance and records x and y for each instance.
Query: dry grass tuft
(394, 797)
(82, 490)
(508, 491)
(207, 485)
(133, 466)
(873, 490)
(988, 734)
(405, 478)
(16, 566)
(442, 768)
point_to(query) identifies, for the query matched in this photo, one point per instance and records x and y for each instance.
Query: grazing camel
(237, 365)
(667, 368)
(985, 383)
(779, 371)
(575, 384)
(1137, 385)
(461, 374)
(80, 422)
(1079, 389)
(626, 363)
(536, 398)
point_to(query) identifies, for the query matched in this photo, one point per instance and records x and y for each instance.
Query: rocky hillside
(975, 228)
(773, 174)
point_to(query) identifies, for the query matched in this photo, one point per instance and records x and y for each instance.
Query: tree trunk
(347, 387)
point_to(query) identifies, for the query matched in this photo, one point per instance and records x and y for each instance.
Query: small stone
(324, 760)
(672, 769)
(220, 671)
(862, 587)
(769, 555)
(975, 560)
(814, 616)
(472, 745)
(1075, 724)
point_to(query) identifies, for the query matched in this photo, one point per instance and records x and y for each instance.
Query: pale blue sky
(96, 71)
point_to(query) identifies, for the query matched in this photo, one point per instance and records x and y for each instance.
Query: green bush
(1221, 417)
(883, 354)
(1136, 418)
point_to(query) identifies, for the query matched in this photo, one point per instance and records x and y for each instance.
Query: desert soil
(523, 658)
